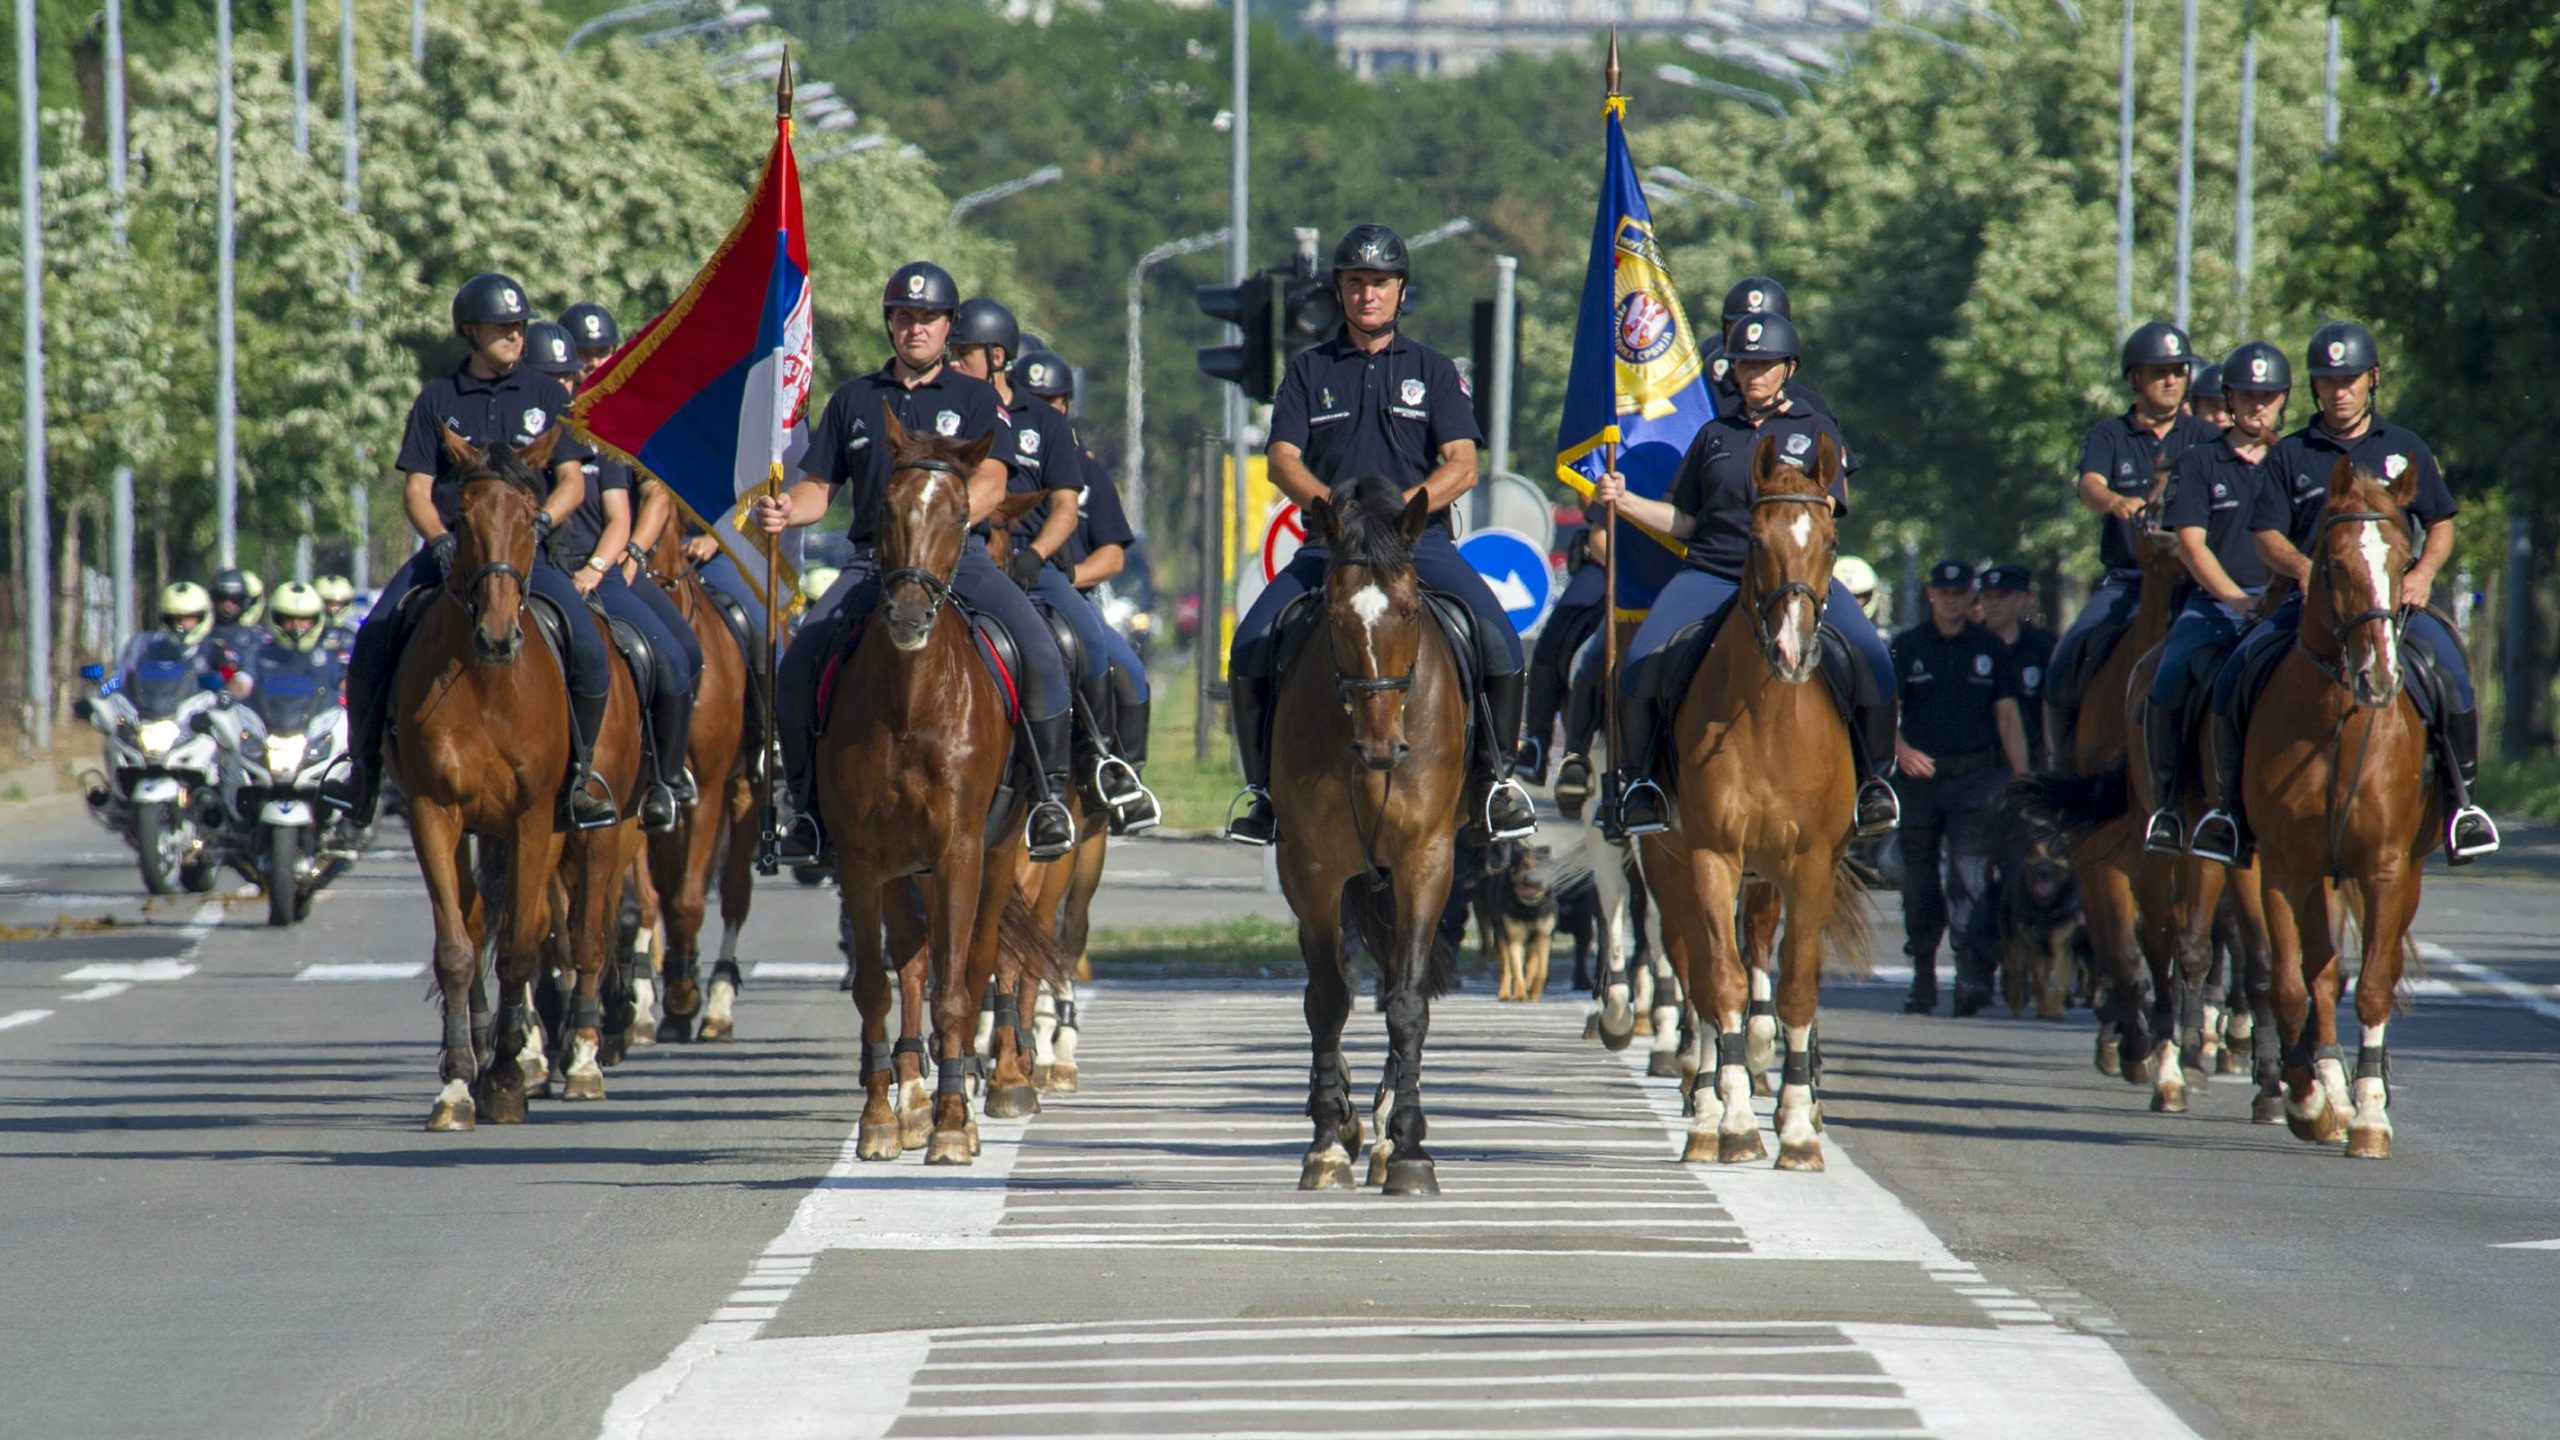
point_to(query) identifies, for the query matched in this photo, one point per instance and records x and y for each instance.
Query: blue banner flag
(1638, 379)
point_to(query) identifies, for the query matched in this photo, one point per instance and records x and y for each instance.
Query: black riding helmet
(2258, 367)
(2341, 347)
(981, 321)
(1756, 293)
(1763, 335)
(2158, 343)
(491, 299)
(1373, 246)
(591, 326)
(920, 285)
(1044, 374)
(2207, 384)
(547, 348)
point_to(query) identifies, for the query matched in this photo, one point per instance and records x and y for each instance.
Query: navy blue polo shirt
(1044, 454)
(2217, 492)
(2299, 466)
(1353, 413)
(2123, 454)
(1713, 487)
(513, 410)
(1949, 686)
(576, 539)
(1103, 521)
(847, 449)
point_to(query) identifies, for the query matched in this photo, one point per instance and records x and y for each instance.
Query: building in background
(1453, 37)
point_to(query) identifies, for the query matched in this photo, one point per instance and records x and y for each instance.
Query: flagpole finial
(1613, 62)
(782, 86)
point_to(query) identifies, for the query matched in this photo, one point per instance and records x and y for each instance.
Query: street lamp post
(1688, 79)
(31, 281)
(1045, 175)
(2186, 164)
(1681, 179)
(2244, 202)
(1134, 449)
(2124, 179)
(418, 34)
(623, 16)
(226, 397)
(360, 563)
(122, 498)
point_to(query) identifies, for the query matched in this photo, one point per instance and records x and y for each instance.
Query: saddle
(1300, 618)
(2425, 682)
(996, 649)
(1687, 652)
(2075, 665)
(742, 630)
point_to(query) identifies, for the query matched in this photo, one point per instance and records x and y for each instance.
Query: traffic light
(1252, 364)
(1312, 312)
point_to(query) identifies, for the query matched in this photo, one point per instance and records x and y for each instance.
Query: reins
(1762, 606)
(2345, 782)
(468, 594)
(936, 587)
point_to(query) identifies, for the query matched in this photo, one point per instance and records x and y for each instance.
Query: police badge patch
(2337, 351)
(2033, 675)
(1411, 391)
(595, 327)
(534, 423)
(915, 286)
(1030, 441)
(1981, 664)
(1756, 300)
(946, 423)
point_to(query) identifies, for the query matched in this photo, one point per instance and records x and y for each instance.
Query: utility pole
(360, 567)
(38, 522)
(2187, 166)
(2124, 181)
(121, 502)
(2329, 93)
(302, 147)
(1506, 310)
(226, 398)
(1239, 263)
(1133, 488)
(2244, 203)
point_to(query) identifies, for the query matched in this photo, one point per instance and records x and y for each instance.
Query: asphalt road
(222, 1219)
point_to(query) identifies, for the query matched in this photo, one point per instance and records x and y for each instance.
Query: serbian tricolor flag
(709, 398)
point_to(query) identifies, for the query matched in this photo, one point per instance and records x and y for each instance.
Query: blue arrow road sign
(1514, 567)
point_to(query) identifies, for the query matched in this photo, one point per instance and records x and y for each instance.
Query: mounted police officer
(1755, 295)
(1096, 550)
(490, 399)
(2209, 510)
(591, 545)
(1046, 458)
(850, 448)
(2346, 382)
(2007, 600)
(1710, 508)
(1962, 736)
(1371, 402)
(2204, 396)
(2116, 464)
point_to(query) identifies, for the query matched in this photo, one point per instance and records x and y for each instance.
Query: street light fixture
(1681, 179)
(1688, 79)
(1045, 175)
(1463, 225)
(625, 15)
(836, 120)
(855, 146)
(1133, 451)
(738, 19)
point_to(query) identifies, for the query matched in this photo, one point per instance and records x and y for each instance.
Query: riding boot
(1052, 829)
(1113, 778)
(675, 740)
(2221, 834)
(2470, 833)
(585, 804)
(670, 719)
(1581, 723)
(1631, 803)
(1129, 722)
(803, 840)
(1508, 812)
(355, 791)
(2059, 721)
(1249, 711)
(1871, 733)
(1923, 997)
(2166, 834)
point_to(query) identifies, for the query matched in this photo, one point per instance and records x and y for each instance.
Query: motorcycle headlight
(284, 753)
(156, 736)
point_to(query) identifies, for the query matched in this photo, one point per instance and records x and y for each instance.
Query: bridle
(937, 588)
(467, 595)
(1346, 687)
(2387, 613)
(1764, 607)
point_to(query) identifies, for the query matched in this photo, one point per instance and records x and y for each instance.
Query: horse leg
(1719, 978)
(2191, 928)
(1670, 1001)
(679, 949)
(1062, 1065)
(1009, 1093)
(533, 863)
(1677, 912)
(1422, 891)
(2106, 901)
(737, 876)
(2297, 928)
(1328, 1005)
(878, 1134)
(2253, 1024)
(2156, 932)
(2391, 902)
(438, 840)
(1810, 893)
(686, 909)
(2219, 985)
(951, 908)
(1613, 1016)
(640, 965)
(596, 868)
(1760, 907)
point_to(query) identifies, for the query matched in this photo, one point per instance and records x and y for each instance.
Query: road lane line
(2536, 998)
(16, 1018)
(363, 970)
(104, 990)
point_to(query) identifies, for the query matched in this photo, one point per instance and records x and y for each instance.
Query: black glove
(441, 550)
(1024, 566)
(543, 525)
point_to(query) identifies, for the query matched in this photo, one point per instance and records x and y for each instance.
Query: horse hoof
(1760, 1083)
(1062, 1078)
(2368, 1142)
(915, 1129)
(642, 1034)
(718, 1023)
(1040, 1076)
(714, 1028)
(2231, 1062)
(879, 1142)
(613, 1048)
(1663, 1064)
(1747, 1146)
(675, 1029)
(453, 1110)
(501, 1106)
(1591, 1026)
(2109, 1063)
(1799, 1155)
(974, 1144)
(2266, 1109)
(2137, 1073)
(1643, 1026)
(1380, 1157)
(583, 1087)
(1700, 1149)
(1328, 1171)
(1411, 1177)
(2333, 1126)
(1011, 1102)
(2169, 1102)
(2305, 1128)
(949, 1147)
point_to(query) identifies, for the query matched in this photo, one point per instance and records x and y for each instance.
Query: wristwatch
(599, 564)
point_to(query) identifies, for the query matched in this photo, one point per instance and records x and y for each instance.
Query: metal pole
(1133, 488)
(2124, 180)
(1239, 174)
(1213, 532)
(39, 529)
(418, 34)
(360, 564)
(1506, 309)
(2515, 661)
(301, 77)
(2244, 203)
(2329, 92)
(2186, 164)
(226, 477)
(122, 497)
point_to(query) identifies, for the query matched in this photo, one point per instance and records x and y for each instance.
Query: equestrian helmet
(981, 321)
(2157, 343)
(1756, 293)
(1371, 246)
(2341, 347)
(920, 285)
(491, 299)
(547, 348)
(2207, 384)
(1763, 335)
(591, 326)
(2257, 366)
(1044, 374)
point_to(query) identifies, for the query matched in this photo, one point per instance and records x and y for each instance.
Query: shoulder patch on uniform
(2033, 675)
(1799, 443)
(534, 421)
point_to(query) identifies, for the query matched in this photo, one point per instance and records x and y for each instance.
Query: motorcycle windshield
(159, 681)
(288, 699)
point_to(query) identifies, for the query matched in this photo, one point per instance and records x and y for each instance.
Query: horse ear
(537, 456)
(1318, 515)
(1416, 517)
(893, 434)
(975, 453)
(1014, 507)
(463, 450)
(1826, 459)
(2342, 477)
(2404, 490)
(1764, 464)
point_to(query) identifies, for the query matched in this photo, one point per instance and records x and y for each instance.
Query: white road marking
(2509, 1245)
(130, 971)
(2537, 998)
(363, 970)
(799, 970)
(16, 1018)
(105, 990)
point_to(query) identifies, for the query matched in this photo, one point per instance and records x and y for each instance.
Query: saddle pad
(1300, 617)
(993, 646)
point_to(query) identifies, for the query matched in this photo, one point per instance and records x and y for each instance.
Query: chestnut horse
(1766, 793)
(1368, 756)
(479, 744)
(912, 753)
(2338, 793)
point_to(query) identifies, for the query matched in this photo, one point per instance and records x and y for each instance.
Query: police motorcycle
(158, 769)
(276, 747)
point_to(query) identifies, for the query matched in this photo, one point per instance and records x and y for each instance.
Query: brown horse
(480, 746)
(1766, 792)
(912, 754)
(2337, 790)
(716, 829)
(1368, 757)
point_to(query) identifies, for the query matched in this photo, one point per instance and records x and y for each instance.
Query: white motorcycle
(157, 789)
(276, 748)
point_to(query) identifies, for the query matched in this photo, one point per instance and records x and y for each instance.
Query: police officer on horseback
(850, 448)
(1756, 295)
(2346, 383)
(1710, 508)
(490, 399)
(2116, 464)
(1370, 401)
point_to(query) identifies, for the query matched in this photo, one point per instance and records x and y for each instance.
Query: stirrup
(1054, 811)
(1879, 810)
(1140, 813)
(2457, 851)
(686, 791)
(1573, 779)
(802, 841)
(1519, 794)
(1116, 781)
(2217, 837)
(1257, 825)
(1531, 758)
(658, 808)
(1633, 807)
(2165, 835)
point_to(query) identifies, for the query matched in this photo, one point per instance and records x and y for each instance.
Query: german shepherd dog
(1516, 914)
(2033, 908)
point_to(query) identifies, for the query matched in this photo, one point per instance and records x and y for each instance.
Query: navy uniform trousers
(1435, 560)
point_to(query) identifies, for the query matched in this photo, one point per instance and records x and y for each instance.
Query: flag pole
(768, 836)
(1609, 513)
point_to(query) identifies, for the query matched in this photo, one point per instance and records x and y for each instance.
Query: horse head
(494, 546)
(1372, 608)
(1794, 540)
(2358, 555)
(924, 525)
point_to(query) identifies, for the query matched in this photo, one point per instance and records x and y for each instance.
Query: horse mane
(1365, 512)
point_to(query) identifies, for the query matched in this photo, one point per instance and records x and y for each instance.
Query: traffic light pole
(1239, 261)
(1497, 385)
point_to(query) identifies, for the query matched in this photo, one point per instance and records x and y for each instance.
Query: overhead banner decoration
(1637, 380)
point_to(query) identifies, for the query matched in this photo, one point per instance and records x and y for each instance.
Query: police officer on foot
(2007, 602)
(491, 399)
(1371, 402)
(850, 447)
(1962, 737)
(2346, 384)
(2116, 464)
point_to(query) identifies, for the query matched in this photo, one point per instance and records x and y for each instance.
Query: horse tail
(2079, 803)
(1020, 935)
(1369, 922)
(1849, 931)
